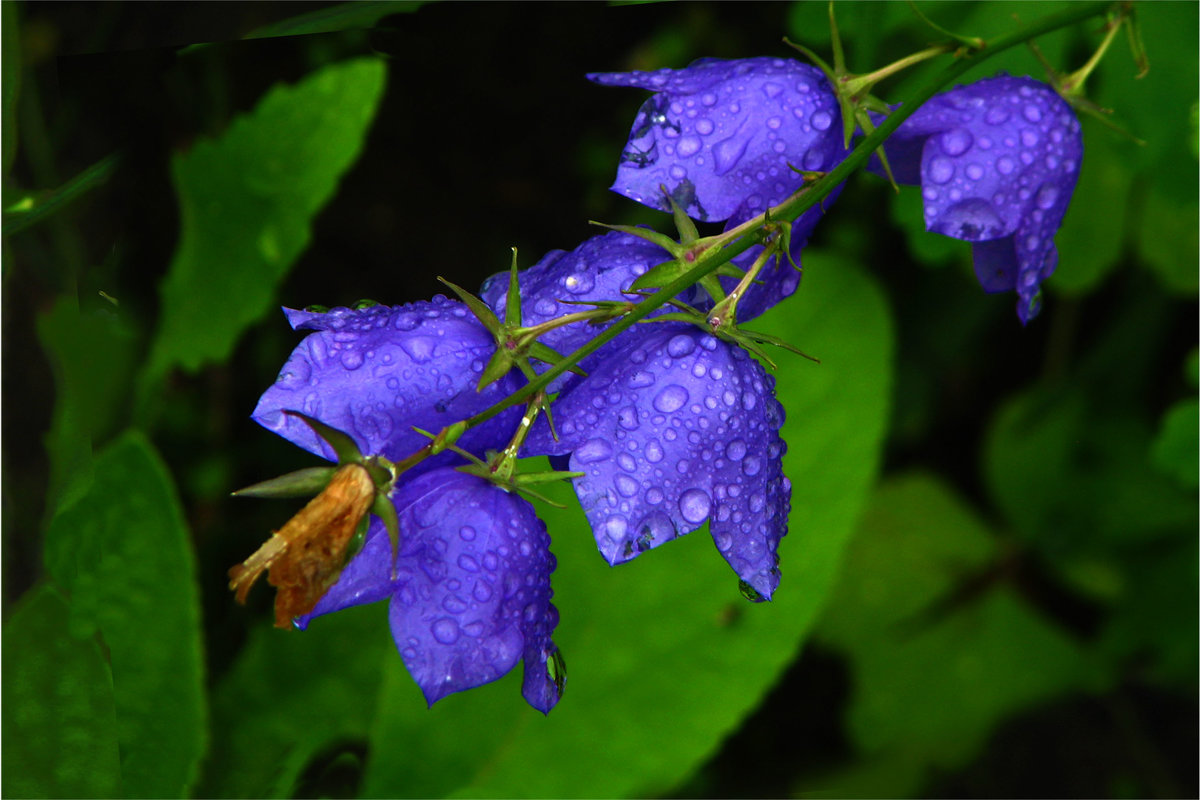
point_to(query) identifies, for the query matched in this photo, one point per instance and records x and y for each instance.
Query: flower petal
(723, 136)
(377, 372)
(674, 428)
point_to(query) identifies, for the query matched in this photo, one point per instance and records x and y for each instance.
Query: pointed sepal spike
(970, 42)
(1137, 47)
(661, 239)
(345, 448)
(484, 314)
(549, 476)
(497, 367)
(551, 356)
(512, 307)
(683, 223)
(383, 508)
(659, 275)
(301, 483)
(355, 545)
(766, 338)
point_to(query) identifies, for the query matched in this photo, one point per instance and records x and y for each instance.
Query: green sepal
(970, 42)
(383, 508)
(345, 448)
(484, 314)
(382, 472)
(551, 356)
(766, 338)
(683, 223)
(659, 275)
(445, 439)
(497, 367)
(661, 239)
(301, 483)
(355, 545)
(527, 478)
(512, 301)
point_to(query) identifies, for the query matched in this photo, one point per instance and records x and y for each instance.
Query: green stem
(95, 175)
(791, 209)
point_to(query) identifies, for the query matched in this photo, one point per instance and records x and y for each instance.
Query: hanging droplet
(750, 593)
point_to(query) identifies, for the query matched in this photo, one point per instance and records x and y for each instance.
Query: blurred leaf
(123, 554)
(336, 18)
(928, 249)
(10, 83)
(91, 355)
(1090, 242)
(665, 657)
(1073, 476)
(247, 200)
(1177, 447)
(35, 207)
(934, 672)
(1167, 241)
(290, 695)
(59, 728)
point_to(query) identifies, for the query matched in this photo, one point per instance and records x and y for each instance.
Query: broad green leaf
(927, 248)
(91, 354)
(37, 206)
(247, 200)
(1167, 239)
(665, 657)
(123, 553)
(60, 732)
(934, 672)
(289, 696)
(338, 17)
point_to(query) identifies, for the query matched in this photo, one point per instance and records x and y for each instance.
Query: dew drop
(996, 115)
(752, 466)
(626, 485)
(941, 170)
(1032, 113)
(445, 630)
(735, 450)
(687, 147)
(704, 126)
(593, 450)
(1005, 165)
(821, 120)
(654, 451)
(419, 348)
(694, 505)
(1046, 196)
(957, 141)
(681, 346)
(468, 563)
(728, 152)
(974, 171)
(671, 398)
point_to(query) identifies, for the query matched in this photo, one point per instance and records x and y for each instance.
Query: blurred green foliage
(992, 527)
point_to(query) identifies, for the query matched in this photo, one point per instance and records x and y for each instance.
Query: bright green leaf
(1167, 239)
(665, 658)
(1177, 448)
(290, 695)
(123, 553)
(1090, 242)
(59, 728)
(247, 202)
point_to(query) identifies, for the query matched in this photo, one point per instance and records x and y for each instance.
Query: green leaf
(665, 656)
(247, 202)
(91, 354)
(123, 553)
(59, 728)
(934, 673)
(339, 17)
(1090, 242)
(290, 695)
(1167, 239)
(36, 207)
(1178, 442)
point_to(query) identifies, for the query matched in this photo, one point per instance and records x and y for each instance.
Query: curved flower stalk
(997, 161)
(377, 372)
(672, 429)
(469, 592)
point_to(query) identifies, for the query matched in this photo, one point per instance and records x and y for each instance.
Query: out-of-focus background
(990, 583)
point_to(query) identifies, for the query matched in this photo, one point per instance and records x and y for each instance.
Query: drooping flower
(674, 428)
(377, 372)
(726, 138)
(469, 592)
(997, 161)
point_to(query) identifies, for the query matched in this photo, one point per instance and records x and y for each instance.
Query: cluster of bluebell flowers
(672, 424)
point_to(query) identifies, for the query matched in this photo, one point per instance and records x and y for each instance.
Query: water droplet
(957, 141)
(974, 172)
(654, 495)
(681, 345)
(454, 604)
(445, 630)
(694, 505)
(654, 451)
(482, 592)
(1005, 165)
(996, 115)
(468, 563)
(750, 593)
(704, 126)
(708, 99)
(641, 379)
(615, 526)
(774, 122)
(671, 398)
(735, 450)
(627, 486)
(972, 219)
(593, 450)
(556, 671)
(821, 120)
(687, 147)
(626, 462)
(752, 465)
(627, 418)
(1029, 138)
(406, 321)
(728, 152)
(1046, 196)
(419, 348)
(941, 170)
(579, 283)
(1032, 113)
